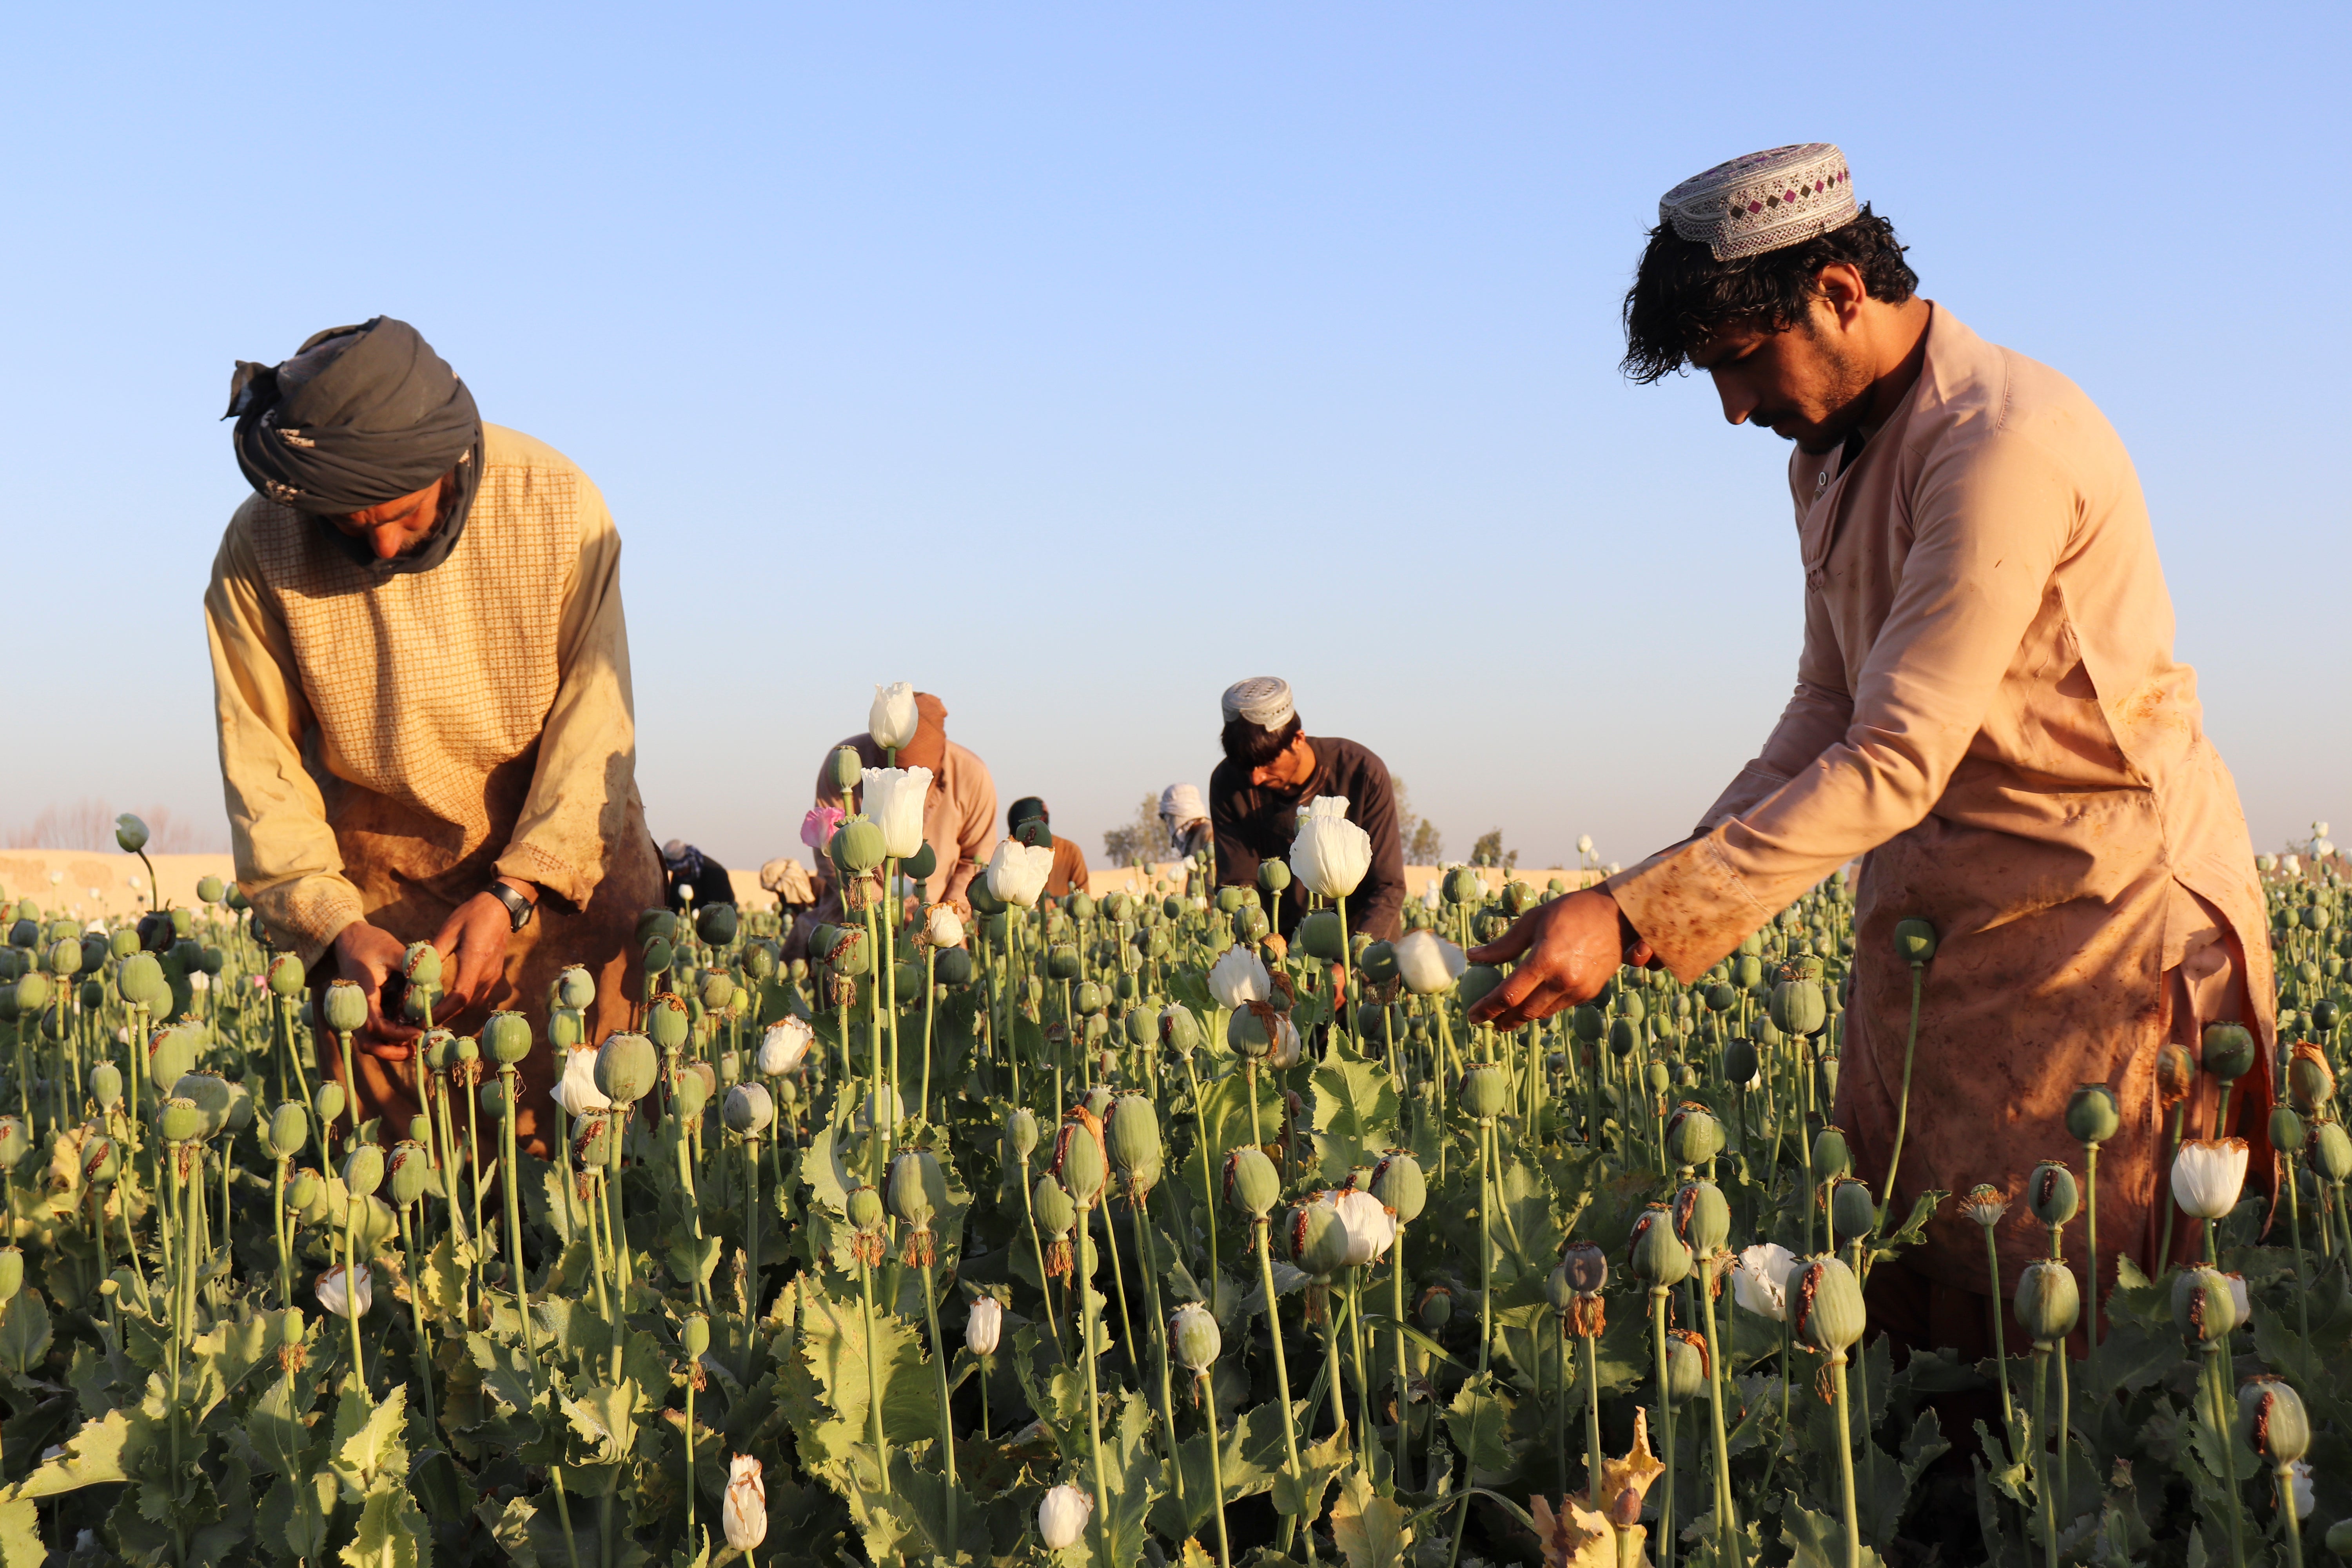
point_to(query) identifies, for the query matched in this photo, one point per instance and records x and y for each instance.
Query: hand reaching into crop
(368, 956)
(1566, 951)
(473, 944)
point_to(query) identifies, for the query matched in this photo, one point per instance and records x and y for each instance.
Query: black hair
(1252, 745)
(1682, 295)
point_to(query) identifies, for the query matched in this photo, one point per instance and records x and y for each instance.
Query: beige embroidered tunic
(388, 745)
(1989, 713)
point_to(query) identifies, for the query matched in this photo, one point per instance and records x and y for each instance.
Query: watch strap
(518, 909)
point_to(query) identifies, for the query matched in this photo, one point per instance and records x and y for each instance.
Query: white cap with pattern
(1763, 201)
(1263, 699)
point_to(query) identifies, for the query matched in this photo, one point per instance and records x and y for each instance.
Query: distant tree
(1423, 844)
(89, 824)
(1145, 839)
(1489, 851)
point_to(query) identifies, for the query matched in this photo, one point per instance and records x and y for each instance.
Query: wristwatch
(518, 909)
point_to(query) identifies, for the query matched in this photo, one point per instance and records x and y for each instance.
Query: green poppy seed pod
(105, 1086)
(1252, 1184)
(212, 1095)
(667, 1021)
(329, 1101)
(715, 924)
(1825, 1305)
(746, 1109)
(567, 1030)
(1462, 886)
(2324, 1013)
(305, 1192)
(2228, 1051)
(32, 992)
(1273, 877)
(101, 1162)
(866, 1208)
(1624, 1037)
(575, 987)
(1434, 1308)
(16, 1141)
(2092, 1115)
(1722, 996)
(1686, 1366)
(694, 1336)
(2331, 1149)
(953, 966)
(1323, 935)
(1193, 1338)
(917, 867)
(1251, 1032)
(1740, 1064)
(1097, 1101)
(422, 964)
(1656, 1256)
(691, 1092)
(409, 1172)
(1401, 1186)
(1797, 1009)
(1747, 971)
(1021, 1131)
(506, 1037)
(912, 1175)
(2310, 1081)
(364, 1171)
(1692, 1135)
(760, 960)
(289, 1129)
(1141, 1027)
(420, 1129)
(718, 988)
(591, 1140)
(1915, 942)
(1850, 1209)
(211, 889)
(2271, 1419)
(1377, 965)
(858, 847)
(124, 941)
(1088, 999)
(64, 957)
(2052, 1193)
(1317, 1241)
(626, 1065)
(344, 1008)
(180, 1121)
(1587, 1266)
(1079, 1162)
(1476, 981)
(1062, 963)
(1559, 1288)
(1485, 1090)
(2287, 1130)
(1832, 1158)
(1051, 1205)
(848, 769)
(130, 833)
(1133, 1133)
(1702, 1218)
(2204, 1309)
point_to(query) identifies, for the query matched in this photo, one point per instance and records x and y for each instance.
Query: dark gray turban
(359, 416)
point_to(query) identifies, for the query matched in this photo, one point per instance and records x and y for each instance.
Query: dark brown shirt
(1257, 823)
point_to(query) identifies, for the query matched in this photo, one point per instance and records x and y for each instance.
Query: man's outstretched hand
(368, 955)
(1565, 952)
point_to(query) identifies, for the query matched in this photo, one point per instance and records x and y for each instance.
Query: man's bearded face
(1807, 384)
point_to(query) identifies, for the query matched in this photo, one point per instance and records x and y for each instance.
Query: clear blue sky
(1072, 361)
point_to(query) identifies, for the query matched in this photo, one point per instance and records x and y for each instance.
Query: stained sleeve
(586, 770)
(287, 860)
(1990, 521)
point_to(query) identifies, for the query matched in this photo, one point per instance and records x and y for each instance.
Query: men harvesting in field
(421, 677)
(1987, 709)
(1271, 770)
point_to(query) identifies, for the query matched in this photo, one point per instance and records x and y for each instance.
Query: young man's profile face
(1805, 383)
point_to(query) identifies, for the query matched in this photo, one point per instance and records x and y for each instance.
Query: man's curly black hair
(1682, 295)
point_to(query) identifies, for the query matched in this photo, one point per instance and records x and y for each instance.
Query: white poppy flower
(1369, 1226)
(1017, 873)
(1062, 1516)
(894, 801)
(784, 1046)
(1427, 963)
(982, 1329)
(576, 1090)
(1239, 977)
(334, 1295)
(892, 720)
(744, 1512)
(2207, 1174)
(1760, 1282)
(943, 927)
(1331, 854)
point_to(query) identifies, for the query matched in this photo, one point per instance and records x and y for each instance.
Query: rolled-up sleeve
(1989, 524)
(287, 862)
(581, 785)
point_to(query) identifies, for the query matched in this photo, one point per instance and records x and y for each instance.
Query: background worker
(421, 679)
(1987, 709)
(694, 878)
(1027, 819)
(1272, 767)
(959, 812)
(1185, 817)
